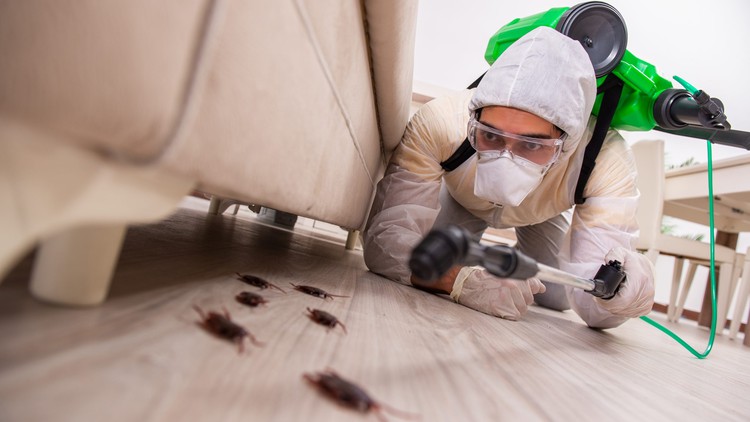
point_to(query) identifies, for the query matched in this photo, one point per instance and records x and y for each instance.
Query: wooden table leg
(725, 239)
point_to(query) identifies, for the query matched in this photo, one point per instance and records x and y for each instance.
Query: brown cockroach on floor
(223, 326)
(314, 291)
(324, 318)
(350, 395)
(250, 299)
(257, 282)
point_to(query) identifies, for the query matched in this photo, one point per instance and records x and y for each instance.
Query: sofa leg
(49, 186)
(213, 206)
(75, 267)
(218, 205)
(351, 239)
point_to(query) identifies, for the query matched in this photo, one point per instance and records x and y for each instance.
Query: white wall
(703, 42)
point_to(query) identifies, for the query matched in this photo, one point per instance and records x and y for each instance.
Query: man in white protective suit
(529, 121)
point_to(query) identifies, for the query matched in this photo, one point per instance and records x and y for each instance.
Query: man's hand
(443, 285)
(501, 297)
(478, 289)
(636, 295)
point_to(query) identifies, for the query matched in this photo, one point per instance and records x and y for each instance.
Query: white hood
(545, 73)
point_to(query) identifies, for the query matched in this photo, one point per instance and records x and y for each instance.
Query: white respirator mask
(510, 166)
(504, 181)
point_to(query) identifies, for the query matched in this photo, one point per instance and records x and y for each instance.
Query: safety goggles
(488, 140)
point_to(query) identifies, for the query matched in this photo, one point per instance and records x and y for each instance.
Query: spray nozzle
(711, 110)
(676, 109)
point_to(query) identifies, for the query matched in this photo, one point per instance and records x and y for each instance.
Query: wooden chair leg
(676, 275)
(743, 292)
(723, 296)
(686, 285)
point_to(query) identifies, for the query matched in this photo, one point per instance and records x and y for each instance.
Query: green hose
(664, 329)
(691, 89)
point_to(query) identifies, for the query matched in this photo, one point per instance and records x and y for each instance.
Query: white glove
(636, 295)
(506, 298)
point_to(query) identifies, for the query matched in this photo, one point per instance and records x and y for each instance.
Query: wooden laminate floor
(142, 357)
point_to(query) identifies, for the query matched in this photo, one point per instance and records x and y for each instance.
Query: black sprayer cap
(438, 252)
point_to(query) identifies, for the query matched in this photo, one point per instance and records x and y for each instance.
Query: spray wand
(443, 248)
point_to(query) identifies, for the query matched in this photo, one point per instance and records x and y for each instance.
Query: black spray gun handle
(443, 248)
(607, 280)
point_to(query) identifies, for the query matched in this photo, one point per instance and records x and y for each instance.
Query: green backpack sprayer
(648, 101)
(631, 96)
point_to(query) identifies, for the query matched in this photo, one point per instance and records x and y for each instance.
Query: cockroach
(314, 291)
(222, 326)
(324, 318)
(250, 299)
(257, 282)
(350, 395)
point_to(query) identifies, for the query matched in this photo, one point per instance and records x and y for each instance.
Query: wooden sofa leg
(218, 205)
(351, 239)
(75, 267)
(49, 186)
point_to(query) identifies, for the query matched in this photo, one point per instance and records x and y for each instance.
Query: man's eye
(491, 136)
(531, 146)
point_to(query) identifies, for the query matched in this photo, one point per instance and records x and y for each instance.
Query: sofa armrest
(391, 27)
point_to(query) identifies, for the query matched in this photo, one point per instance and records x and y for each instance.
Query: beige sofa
(111, 112)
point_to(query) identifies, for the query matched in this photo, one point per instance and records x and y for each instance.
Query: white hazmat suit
(549, 75)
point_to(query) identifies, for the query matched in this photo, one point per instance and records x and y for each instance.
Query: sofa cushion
(287, 117)
(111, 76)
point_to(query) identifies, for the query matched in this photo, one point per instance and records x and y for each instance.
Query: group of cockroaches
(328, 382)
(221, 324)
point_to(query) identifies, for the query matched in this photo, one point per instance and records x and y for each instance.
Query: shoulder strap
(476, 82)
(612, 88)
(465, 150)
(463, 153)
